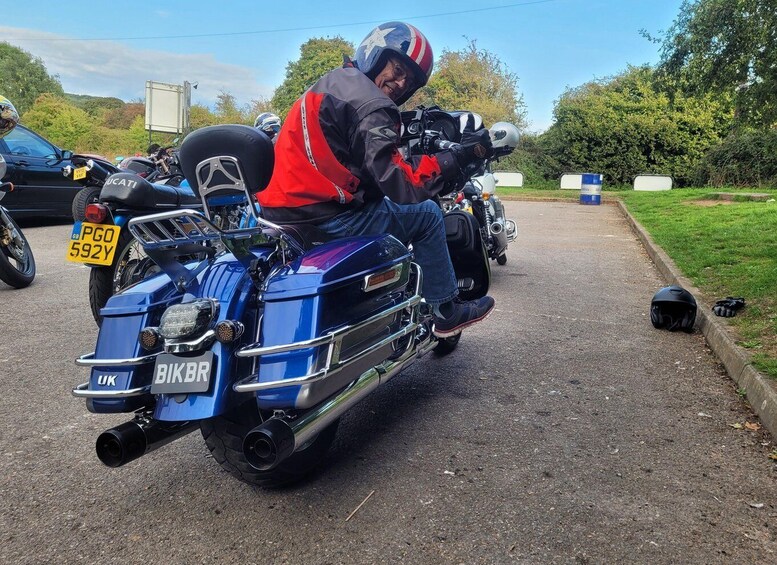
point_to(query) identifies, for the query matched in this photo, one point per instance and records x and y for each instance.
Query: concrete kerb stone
(761, 393)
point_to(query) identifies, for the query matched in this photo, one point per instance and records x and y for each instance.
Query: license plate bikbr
(93, 243)
(182, 375)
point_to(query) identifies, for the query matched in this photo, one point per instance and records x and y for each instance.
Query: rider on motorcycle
(338, 164)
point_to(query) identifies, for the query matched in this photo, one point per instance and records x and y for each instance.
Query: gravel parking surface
(564, 429)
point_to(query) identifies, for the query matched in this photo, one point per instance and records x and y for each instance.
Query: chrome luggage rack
(166, 236)
(333, 340)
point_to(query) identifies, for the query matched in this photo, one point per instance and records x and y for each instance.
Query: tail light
(459, 197)
(96, 213)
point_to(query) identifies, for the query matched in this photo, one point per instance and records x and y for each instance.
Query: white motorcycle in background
(478, 197)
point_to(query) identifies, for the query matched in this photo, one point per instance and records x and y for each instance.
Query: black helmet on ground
(673, 308)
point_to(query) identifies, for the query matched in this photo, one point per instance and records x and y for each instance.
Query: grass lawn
(726, 248)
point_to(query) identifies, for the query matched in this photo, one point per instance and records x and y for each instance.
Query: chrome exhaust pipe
(512, 230)
(496, 228)
(273, 441)
(129, 441)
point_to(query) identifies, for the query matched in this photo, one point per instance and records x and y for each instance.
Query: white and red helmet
(400, 39)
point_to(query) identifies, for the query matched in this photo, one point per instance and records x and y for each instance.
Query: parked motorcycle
(17, 264)
(160, 167)
(478, 197)
(423, 126)
(91, 173)
(268, 340)
(110, 197)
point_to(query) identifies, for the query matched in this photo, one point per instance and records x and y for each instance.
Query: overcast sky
(244, 46)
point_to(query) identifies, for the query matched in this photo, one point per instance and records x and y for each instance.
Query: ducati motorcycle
(101, 240)
(259, 337)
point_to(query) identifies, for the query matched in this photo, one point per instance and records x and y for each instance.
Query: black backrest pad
(252, 149)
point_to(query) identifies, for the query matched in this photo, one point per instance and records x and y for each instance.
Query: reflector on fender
(384, 278)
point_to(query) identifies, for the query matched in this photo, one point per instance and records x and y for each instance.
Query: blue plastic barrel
(591, 189)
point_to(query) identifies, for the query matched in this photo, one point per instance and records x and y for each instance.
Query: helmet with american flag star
(403, 40)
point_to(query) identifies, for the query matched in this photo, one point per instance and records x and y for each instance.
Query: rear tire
(84, 197)
(130, 265)
(17, 264)
(224, 437)
(446, 345)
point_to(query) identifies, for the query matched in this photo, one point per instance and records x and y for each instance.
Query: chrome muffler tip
(512, 230)
(268, 444)
(496, 228)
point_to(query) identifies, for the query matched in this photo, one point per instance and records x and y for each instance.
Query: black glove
(471, 154)
(728, 307)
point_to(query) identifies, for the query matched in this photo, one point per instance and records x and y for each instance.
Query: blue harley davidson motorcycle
(269, 334)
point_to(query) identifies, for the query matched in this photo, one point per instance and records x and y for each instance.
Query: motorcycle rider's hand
(475, 146)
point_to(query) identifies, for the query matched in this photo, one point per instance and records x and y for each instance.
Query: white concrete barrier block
(571, 181)
(504, 178)
(652, 182)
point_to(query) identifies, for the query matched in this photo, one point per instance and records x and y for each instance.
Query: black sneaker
(465, 313)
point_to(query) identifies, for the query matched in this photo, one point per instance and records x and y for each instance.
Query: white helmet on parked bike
(9, 117)
(268, 123)
(504, 137)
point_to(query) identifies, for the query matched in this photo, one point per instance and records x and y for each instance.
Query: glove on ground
(727, 308)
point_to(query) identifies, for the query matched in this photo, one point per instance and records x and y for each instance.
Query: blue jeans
(420, 224)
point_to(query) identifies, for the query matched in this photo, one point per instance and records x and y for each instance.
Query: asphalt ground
(564, 429)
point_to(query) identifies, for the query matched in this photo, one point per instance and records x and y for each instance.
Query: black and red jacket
(338, 148)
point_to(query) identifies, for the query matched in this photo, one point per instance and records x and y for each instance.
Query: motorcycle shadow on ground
(384, 427)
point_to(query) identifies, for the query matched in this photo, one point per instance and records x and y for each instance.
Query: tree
(476, 80)
(227, 110)
(727, 47)
(23, 77)
(60, 121)
(200, 116)
(124, 116)
(259, 106)
(625, 125)
(317, 57)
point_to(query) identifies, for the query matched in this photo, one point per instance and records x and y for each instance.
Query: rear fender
(142, 305)
(229, 283)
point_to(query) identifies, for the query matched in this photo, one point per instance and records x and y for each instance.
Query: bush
(744, 158)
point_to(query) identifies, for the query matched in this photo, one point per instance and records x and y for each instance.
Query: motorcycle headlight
(189, 320)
